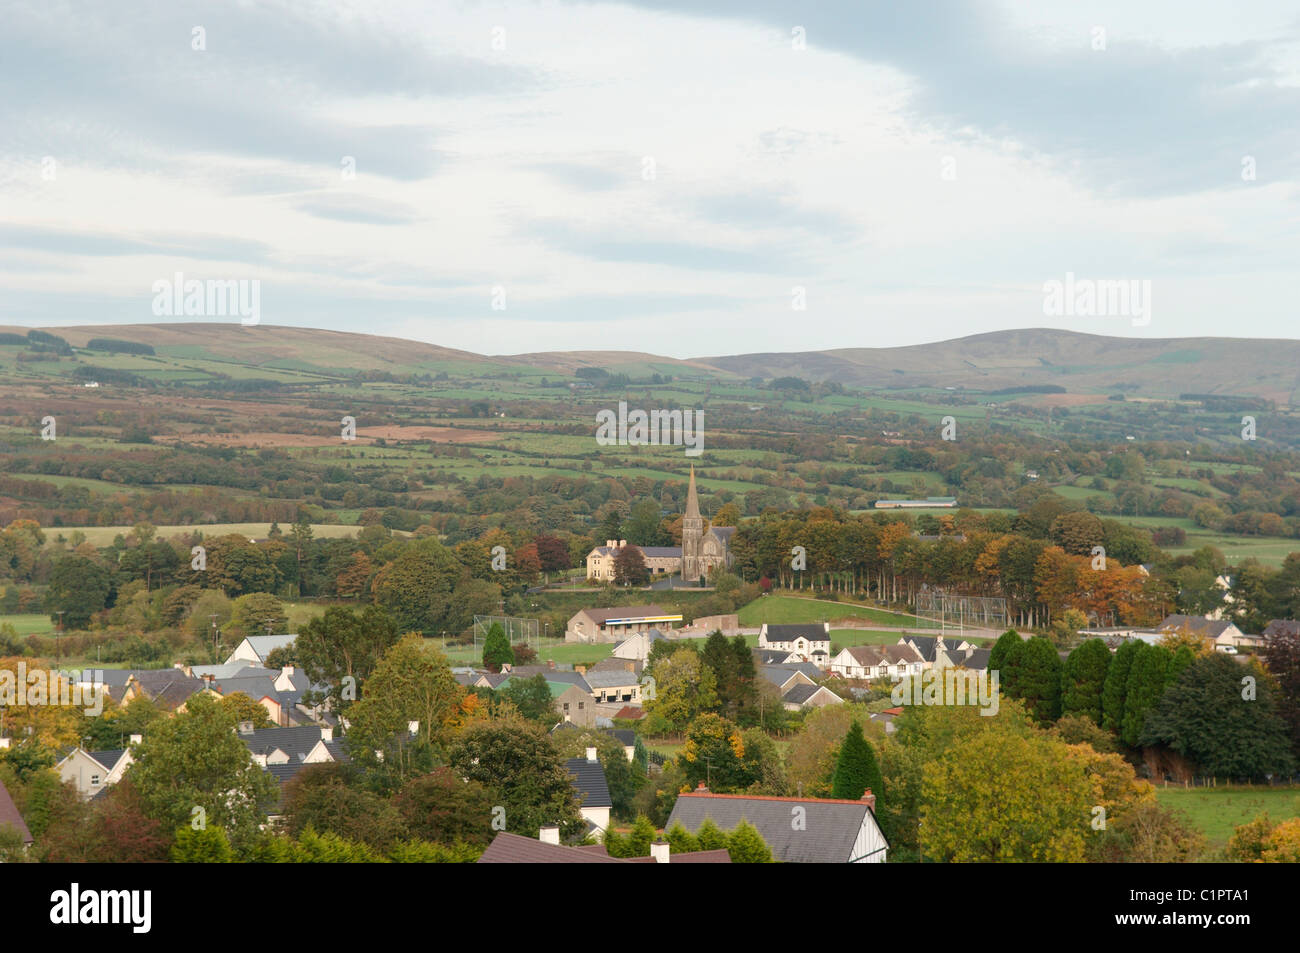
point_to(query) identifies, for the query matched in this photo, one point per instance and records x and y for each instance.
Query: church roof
(692, 500)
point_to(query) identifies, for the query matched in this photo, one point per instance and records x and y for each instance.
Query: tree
(344, 644)
(746, 845)
(1146, 683)
(79, 587)
(1150, 834)
(1083, 678)
(1115, 688)
(517, 762)
(1077, 532)
(323, 798)
(196, 765)
(1038, 679)
(684, 687)
(416, 587)
(856, 770)
(1004, 658)
(242, 708)
(998, 797)
(412, 682)
(1208, 715)
(351, 581)
(813, 752)
(496, 649)
(259, 612)
(443, 808)
(630, 568)
(204, 845)
(532, 696)
(1281, 655)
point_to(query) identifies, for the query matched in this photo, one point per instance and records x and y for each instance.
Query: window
(566, 706)
(581, 705)
(94, 780)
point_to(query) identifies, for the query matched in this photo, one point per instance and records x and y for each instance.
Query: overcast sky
(657, 176)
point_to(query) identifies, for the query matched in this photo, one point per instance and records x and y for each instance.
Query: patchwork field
(1216, 811)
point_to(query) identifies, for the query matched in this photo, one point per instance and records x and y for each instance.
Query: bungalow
(798, 830)
(616, 624)
(507, 848)
(785, 677)
(1221, 632)
(1287, 628)
(811, 642)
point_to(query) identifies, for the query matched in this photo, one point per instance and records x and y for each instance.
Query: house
(507, 848)
(255, 649)
(9, 816)
(167, 688)
(1282, 627)
(877, 661)
(886, 718)
(785, 677)
(309, 744)
(616, 624)
(614, 685)
(774, 657)
(798, 830)
(801, 697)
(1220, 631)
(811, 642)
(93, 771)
(936, 649)
(588, 779)
(572, 697)
(627, 738)
(637, 648)
(660, 560)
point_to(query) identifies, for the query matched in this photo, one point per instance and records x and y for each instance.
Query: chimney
(701, 789)
(327, 734)
(209, 679)
(660, 851)
(869, 799)
(609, 543)
(591, 754)
(287, 670)
(136, 739)
(245, 727)
(622, 543)
(549, 835)
(550, 663)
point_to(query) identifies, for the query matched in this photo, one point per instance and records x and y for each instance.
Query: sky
(683, 177)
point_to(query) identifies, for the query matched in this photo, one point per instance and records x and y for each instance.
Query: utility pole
(58, 644)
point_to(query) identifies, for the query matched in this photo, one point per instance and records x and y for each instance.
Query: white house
(877, 661)
(811, 642)
(93, 771)
(255, 649)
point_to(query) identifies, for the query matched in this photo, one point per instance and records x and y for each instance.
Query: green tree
(496, 649)
(258, 613)
(517, 761)
(533, 698)
(340, 649)
(1004, 658)
(79, 587)
(1038, 679)
(323, 798)
(746, 845)
(1227, 725)
(1083, 678)
(416, 587)
(1115, 688)
(195, 765)
(1146, 683)
(444, 808)
(202, 846)
(856, 770)
(684, 687)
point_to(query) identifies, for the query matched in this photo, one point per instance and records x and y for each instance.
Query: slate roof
(507, 848)
(812, 631)
(297, 743)
(589, 779)
(9, 815)
(1199, 625)
(1282, 627)
(780, 674)
(264, 645)
(659, 552)
(108, 759)
(831, 830)
(611, 678)
(800, 694)
(978, 659)
(626, 736)
(924, 644)
(550, 674)
(770, 656)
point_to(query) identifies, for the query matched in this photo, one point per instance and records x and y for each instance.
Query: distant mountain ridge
(1031, 357)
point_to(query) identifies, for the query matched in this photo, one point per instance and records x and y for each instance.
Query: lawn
(553, 650)
(1216, 811)
(29, 623)
(104, 535)
(785, 610)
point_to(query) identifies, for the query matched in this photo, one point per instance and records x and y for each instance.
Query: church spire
(692, 501)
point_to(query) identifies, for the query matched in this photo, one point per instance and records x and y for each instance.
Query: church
(701, 551)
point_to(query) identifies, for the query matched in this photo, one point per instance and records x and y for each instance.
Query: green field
(786, 610)
(1216, 811)
(29, 623)
(104, 535)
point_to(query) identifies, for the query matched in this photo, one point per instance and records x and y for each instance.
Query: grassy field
(786, 610)
(29, 623)
(1216, 811)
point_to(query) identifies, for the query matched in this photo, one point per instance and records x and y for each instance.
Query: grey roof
(108, 759)
(264, 645)
(624, 612)
(589, 779)
(827, 838)
(169, 687)
(799, 694)
(658, 552)
(780, 674)
(338, 750)
(1197, 624)
(1282, 627)
(611, 678)
(625, 736)
(723, 533)
(978, 659)
(812, 631)
(9, 815)
(297, 743)
(771, 656)
(231, 670)
(550, 674)
(924, 644)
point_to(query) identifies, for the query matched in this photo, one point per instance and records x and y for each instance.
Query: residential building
(830, 831)
(255, 649)
(800, 697)
(588, 778)
(811, 642)
(617, 624)
(877, 661)
(9, 816)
